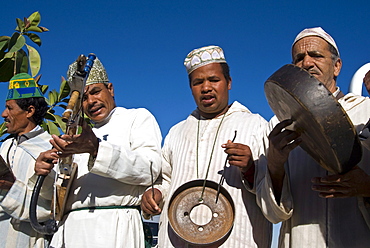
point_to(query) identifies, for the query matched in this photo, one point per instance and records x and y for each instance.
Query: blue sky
(142, 44)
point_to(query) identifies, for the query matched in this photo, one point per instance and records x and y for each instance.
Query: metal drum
(201, 222)
(327, 132)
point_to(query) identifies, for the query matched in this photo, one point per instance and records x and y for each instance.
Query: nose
(206, 86)
(4, 114)
(307, 62)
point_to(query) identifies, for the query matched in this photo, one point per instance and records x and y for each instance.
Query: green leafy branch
(13, 57)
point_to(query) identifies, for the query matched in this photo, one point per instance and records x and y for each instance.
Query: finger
(291, 145)
(60, 143)
(332, 195)
(228, 144)
(56, 145)
(332, 190)
(279, 127)
(329, 180)
(149, 205)
(238, 163)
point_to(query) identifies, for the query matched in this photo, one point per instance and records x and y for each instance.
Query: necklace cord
(222, 179)
(210, 159)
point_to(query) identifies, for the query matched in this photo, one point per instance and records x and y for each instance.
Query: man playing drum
(295, 189)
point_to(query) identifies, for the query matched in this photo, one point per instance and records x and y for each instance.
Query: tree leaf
(63, 106)
(47, 100)
(21, 62)
(49, 116)
(34, 29)
(35, 18)
(44, 29)
(64, 90)
(2, 129)
(44, 126)
(35, 38)
(13, 40)
(43, 88)
(26, 22)
(9, 55)
(16, 43)
(37, 78)
(53, 97)
(6, 69)
(4, 42)
(20, 25)
(53, 129)
(34, 59)
(60, 122)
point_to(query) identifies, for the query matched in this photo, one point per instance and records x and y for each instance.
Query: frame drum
(327, 133)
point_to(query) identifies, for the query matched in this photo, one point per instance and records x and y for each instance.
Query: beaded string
(210, 159)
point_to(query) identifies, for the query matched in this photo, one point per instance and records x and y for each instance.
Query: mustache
(6, 120)
(313, 71)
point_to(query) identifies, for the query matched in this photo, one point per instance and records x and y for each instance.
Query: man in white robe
(116, 160)
(22, 115)
(196, 148)
(296, 190)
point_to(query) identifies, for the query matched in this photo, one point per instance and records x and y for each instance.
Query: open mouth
(208, 99)
(95, 110)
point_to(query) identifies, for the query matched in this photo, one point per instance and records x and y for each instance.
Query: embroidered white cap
(204, 56)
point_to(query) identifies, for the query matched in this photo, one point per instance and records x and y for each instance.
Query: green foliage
(15, 55)
(53, 123)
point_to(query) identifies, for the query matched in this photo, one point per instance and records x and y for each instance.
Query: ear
(229, 84)
(110, 89)
(337, 67)
(30, 111)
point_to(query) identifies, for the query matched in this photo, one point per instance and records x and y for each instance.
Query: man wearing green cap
(116, 160)
(24, 111)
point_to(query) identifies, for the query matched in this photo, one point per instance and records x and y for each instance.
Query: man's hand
(45, 162)
(7, 180)
(367, 81)
(150, 205)
(239, 155)
(354, 183)
(86, 142)
(281, 143)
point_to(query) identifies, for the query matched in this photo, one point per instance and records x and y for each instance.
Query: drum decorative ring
(327, 132)
(201, 221)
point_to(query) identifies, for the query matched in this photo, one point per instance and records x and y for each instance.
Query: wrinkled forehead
(310, 44)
